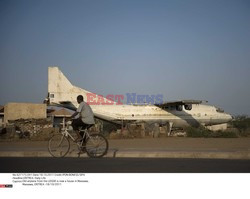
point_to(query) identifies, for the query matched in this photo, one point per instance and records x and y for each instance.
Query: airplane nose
(228, 117)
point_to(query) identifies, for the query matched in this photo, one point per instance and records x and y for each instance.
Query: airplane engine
(188, 107)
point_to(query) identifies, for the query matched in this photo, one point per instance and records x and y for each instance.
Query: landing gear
(169, 126)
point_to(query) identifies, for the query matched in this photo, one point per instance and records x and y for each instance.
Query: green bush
(244, 133)
(206, 133)
(197, 132)
(242, 123)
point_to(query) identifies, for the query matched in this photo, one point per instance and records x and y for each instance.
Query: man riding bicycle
(94, 144)
(83, 117)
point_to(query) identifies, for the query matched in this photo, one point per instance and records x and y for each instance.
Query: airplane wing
(181, 102)
(64, 104)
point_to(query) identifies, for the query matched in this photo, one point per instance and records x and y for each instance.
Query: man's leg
(83, 138)
(84, 126)
(76, 123)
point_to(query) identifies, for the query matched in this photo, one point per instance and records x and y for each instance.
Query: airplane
(175, 114)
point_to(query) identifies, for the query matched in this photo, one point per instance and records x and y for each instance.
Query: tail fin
(61, 92)
(60, 89)
(57, 81)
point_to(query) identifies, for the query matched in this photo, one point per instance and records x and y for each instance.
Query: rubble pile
(28, 128)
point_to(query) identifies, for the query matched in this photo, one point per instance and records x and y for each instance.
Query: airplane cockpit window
(51, 95)
(219, 110)
(167, 108)
(179, 108)
(188, 107)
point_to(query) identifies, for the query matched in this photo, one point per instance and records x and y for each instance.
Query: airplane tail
(57, 82)
(62, 93)
(60, 89)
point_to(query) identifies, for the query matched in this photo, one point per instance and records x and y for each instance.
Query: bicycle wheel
(96, 146)
(58, 145)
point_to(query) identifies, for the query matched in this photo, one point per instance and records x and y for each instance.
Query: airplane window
(167, 107)
(219, 110)
(51, 95)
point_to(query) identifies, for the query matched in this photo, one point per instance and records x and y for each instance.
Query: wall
(218, 127)
(15, 111)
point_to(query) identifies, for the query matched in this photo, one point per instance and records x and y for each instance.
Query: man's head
(79, 99)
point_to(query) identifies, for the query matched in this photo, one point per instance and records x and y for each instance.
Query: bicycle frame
(66, 133)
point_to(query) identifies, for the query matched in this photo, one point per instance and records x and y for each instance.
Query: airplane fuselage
(62, 93)
(199, 115)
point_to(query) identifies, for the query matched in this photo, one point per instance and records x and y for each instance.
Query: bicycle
(96, 144)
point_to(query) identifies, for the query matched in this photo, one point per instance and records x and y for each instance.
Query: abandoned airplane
(172, 114)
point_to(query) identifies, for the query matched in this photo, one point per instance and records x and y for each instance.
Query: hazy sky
(181, 49)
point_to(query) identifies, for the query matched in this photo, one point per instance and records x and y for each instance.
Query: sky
(192, 49)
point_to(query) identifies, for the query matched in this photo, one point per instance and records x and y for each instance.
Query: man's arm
(74, 114)
(78, 111)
